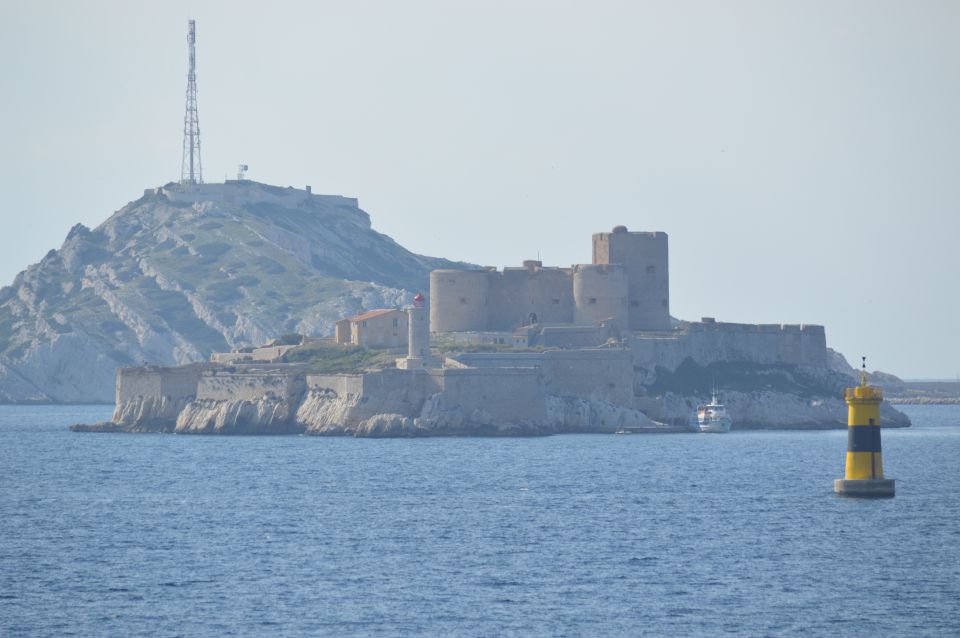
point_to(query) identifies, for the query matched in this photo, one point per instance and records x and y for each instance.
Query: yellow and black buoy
(864, 475)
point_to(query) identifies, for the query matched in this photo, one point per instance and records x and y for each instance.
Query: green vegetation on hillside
(327, 358)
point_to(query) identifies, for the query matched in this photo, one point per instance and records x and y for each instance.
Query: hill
(186, 271)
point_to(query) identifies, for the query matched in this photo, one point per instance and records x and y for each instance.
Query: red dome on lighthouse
(418, 300)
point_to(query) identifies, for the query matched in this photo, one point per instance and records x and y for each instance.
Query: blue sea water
(576, 535)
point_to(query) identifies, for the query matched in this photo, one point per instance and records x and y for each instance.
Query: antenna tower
(191, 171)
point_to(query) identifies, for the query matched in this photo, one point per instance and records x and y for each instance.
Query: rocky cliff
(322, 413)
(756, 395)
(176, 275)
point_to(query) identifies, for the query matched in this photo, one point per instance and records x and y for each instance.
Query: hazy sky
(802, 156)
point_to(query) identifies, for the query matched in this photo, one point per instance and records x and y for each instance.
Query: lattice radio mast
(191, 171)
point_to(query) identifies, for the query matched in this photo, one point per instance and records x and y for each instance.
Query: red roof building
(381, 328)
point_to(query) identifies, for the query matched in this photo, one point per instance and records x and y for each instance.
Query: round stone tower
(599, 292)
(458, 300)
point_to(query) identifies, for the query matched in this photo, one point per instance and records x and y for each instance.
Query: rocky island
(190, 277)
(179, 274)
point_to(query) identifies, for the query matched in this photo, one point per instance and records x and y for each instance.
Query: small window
(651, 269)
(463, 300)
(363, 323)
(556, 302)
(593, 300)
(663, 302)
(634, 304)
(396, 322)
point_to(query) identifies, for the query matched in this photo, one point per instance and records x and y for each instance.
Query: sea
(571, 535)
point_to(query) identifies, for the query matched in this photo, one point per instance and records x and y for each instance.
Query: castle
(628, 283)
(623, 295)
(604, 338)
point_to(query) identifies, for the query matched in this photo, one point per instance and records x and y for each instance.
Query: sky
(802, 156)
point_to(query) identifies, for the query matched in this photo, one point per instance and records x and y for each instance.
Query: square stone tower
(644, 257)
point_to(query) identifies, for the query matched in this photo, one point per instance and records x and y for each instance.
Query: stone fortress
(627, 283)
(583, 349)
(624, 295)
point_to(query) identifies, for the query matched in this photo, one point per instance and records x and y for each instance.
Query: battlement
(708, 341)
(709, 324)
(158, 381)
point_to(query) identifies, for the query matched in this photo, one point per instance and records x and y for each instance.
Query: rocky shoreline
(321, 414)
(600, 390)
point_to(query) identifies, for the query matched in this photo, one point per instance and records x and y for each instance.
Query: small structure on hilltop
(381, 328)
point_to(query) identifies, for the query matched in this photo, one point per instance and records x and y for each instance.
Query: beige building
(384, 328)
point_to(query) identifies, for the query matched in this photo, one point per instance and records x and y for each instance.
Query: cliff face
(756, 395)
(172, 277)
(282, 399)
(322, 413)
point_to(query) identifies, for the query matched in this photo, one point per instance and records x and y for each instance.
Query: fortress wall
(358, 397)
(813, 346)
(250, 387)
(706, 343)
(590, 374)
(509, 306)
(602, 373)
(459, 300)
(181, 382)
(551, 295)
(138, 382)
(344, 385)
(155, 381)
(518, 293)
(599, 292)
(400, 392)
(573, 336)
(645, 258)
(153, 396)
(508, 395)
(414, 385)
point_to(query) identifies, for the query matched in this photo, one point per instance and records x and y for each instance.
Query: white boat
(713, 417)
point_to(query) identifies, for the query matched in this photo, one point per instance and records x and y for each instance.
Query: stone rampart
(508, 395)
(158, 381)
(151, 397)
(707, 342)
(343, 385)
(225, 386)
(605, 374)
(522, 296)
